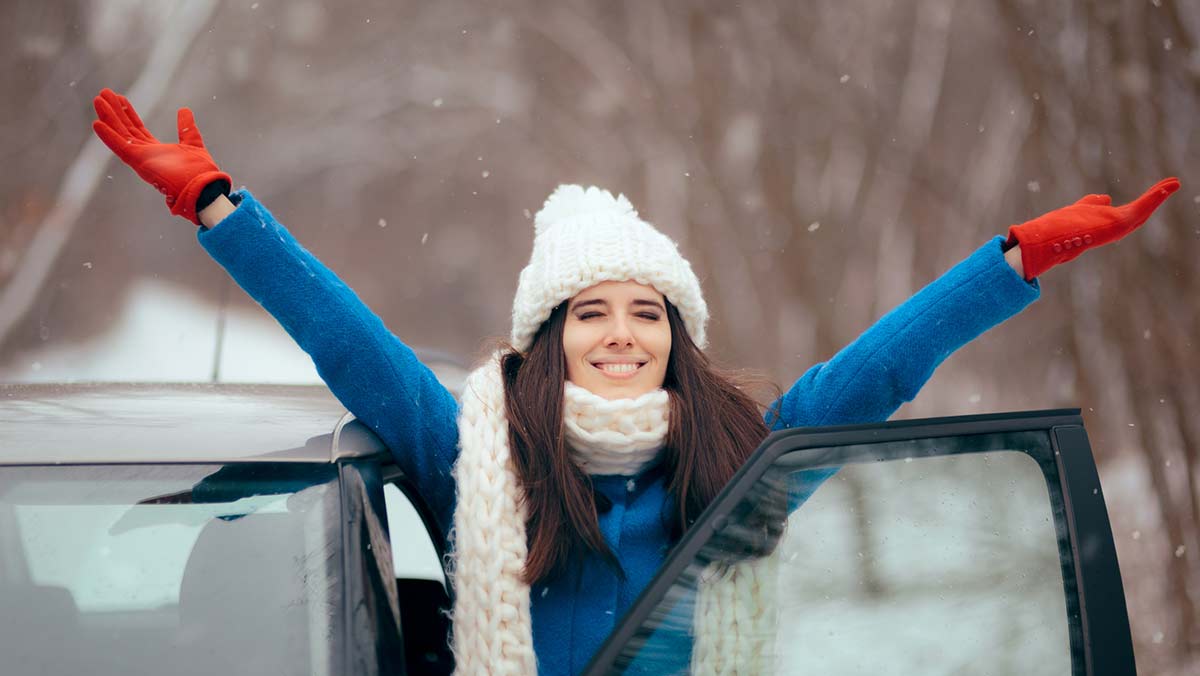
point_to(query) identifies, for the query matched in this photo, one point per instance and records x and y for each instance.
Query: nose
(619, 335)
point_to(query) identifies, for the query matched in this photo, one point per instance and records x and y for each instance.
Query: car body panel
(176, 423)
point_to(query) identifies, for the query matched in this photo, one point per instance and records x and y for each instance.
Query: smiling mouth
(619, 369)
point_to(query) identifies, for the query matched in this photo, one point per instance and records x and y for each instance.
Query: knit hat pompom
(572, 201)
(585, 236)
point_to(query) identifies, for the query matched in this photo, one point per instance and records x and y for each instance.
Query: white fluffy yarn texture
(492, 630)
(737, 619)
(583, 237)
(492, 625)
(614, 436)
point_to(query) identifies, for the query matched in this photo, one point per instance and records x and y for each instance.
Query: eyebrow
(601, 301)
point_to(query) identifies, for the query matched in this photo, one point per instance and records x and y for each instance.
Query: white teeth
(619, 368)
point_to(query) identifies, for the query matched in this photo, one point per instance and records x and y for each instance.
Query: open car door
(975, 544)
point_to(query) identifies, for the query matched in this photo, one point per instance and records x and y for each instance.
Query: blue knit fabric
(380, 380)
(377, 377)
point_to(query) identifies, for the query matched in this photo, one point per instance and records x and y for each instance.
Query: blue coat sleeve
(378, 378)
(889, 363)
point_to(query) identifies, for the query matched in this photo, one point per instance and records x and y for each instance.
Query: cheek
(659, 344)
(576, 344)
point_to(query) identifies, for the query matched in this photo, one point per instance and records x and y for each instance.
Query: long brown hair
(714, 428)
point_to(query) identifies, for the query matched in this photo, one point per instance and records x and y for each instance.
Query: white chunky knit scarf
(491, 618)
(621, 436)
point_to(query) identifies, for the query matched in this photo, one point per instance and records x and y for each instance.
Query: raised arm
(870, 378)
(889, 363)
(374, 374)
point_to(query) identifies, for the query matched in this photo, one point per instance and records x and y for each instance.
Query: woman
(579, 455)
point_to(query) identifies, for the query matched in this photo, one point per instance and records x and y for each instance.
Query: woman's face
(617, 339)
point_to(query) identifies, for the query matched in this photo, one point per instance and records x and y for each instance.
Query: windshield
(169, 569)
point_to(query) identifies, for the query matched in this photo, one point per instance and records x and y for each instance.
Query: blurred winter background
(817, 161)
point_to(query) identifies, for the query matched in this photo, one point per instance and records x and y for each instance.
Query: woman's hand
(180, 171)
(1063, 234)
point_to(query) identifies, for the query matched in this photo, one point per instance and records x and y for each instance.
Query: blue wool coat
(380, 380)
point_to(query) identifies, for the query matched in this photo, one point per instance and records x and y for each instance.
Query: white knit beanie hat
(586, 236)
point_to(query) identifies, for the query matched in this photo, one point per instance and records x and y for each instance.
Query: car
(250, 529)
(232, 529)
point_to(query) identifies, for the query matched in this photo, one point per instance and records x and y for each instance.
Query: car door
(417, 549)
(976, 544)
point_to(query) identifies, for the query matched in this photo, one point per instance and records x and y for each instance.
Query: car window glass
(182, 569)
(928, 564)
(413, 553)
(123, 565)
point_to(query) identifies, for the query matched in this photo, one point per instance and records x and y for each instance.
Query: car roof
(176, 423)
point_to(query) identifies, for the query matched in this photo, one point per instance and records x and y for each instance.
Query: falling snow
(505, 91)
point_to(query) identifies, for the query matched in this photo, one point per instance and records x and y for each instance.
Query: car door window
(932, 554)
(413, 553)
(949, 560)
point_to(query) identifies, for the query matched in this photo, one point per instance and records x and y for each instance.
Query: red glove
(178, 170)
(1063, 234)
